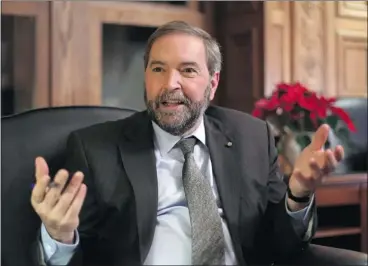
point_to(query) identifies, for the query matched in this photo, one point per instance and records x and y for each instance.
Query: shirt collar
(165, 141)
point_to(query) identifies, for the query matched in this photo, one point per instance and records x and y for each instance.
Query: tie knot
(187, 145)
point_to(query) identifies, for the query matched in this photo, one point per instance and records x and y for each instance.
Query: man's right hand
(57, 207)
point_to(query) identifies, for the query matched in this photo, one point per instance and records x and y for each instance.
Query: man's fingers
(316, 170)
(76, 206)
(339, 153)
(55, 188)
(39, 190)
(69, 194)
(41, 166)
(331, 162)
(320, 137)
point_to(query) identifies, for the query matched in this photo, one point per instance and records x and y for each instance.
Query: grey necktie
(208, 242)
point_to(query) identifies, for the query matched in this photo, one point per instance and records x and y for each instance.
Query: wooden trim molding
(352, 9)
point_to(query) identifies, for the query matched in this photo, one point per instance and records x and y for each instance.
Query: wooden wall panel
(240, 28)
(352, 9)
(72, 80)
(352, 64)
(347, 49)
(309, 43)
(322, 44)
(24, 62)
(276, 44)
(39, 33)
(144, 14)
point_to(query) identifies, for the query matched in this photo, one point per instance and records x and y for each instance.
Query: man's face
(178, 84)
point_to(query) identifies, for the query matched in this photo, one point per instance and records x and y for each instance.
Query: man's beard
(177, 122)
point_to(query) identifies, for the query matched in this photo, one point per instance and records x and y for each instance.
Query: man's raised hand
(56, 204)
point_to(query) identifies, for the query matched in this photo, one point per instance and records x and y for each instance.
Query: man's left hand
(313, 164)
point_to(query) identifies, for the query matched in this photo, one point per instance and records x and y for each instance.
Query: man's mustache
(167, 97)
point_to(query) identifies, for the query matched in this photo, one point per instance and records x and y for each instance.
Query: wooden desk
(345, 190)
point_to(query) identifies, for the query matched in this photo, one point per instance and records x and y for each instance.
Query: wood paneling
(72, 80)
(309, 43)
(77, 42)
(39, 12)
(24, 61)
(144, 14)
(338, 191)
(240, 28)
(322, 44)
(352, 64)
(352, 9)
(277, 44)
(68, 49)
(346, 49)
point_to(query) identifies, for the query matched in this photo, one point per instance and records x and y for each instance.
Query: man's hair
(213, 53)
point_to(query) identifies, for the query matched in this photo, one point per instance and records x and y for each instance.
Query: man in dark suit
(180, 183)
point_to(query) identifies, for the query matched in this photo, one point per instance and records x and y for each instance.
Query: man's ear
(215, 79)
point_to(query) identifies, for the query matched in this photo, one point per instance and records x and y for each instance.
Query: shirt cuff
(303, 214)
(51, 246)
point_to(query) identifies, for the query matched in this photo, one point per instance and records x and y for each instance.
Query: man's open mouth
(172, 103)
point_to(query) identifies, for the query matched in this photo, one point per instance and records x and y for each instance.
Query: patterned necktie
(208, 242)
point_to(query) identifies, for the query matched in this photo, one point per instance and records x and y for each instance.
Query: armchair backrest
(355, 160)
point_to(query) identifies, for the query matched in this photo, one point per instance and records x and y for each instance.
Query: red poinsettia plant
(294, 108)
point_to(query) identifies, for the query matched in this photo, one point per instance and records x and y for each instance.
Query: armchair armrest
(321, 255)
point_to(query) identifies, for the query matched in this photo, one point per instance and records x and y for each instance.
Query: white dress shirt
(172, 238)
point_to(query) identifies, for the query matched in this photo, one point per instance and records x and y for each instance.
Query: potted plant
(294, 113)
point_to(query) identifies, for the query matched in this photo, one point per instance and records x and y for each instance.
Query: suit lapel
(224, 164)
(137, 153)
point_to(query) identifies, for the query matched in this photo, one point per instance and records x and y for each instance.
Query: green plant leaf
(303, 139)
(332, 121)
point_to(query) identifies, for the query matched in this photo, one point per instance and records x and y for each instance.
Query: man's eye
(157, 69)
(189, 70)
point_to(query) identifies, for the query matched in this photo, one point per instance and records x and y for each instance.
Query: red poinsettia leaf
(313, 117)
(344, 117)
(300, 88)
(288, 107)
(269, 105)
(308, 103)
(283, 86)
(328, 101)
(262, 103)
(321, 110)
(257, 113)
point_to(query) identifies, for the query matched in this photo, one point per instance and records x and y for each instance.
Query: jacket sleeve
(278, 237)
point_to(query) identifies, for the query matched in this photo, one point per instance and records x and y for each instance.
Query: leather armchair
(25, 136)
(44, 132)
(317, 255)
(356, 159)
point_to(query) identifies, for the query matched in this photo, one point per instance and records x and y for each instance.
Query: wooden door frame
(40, 12)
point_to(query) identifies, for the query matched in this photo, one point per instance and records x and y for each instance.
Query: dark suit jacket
(118, 219)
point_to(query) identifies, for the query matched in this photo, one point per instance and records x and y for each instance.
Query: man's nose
(172, 80)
